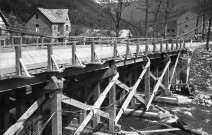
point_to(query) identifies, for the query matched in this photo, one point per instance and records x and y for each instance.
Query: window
(55, 27)
(66, 19)
(36, 16)
(37, 28)
(186, 18)
(172, 30)
(186, 26)
(168, 30)
(67, 28)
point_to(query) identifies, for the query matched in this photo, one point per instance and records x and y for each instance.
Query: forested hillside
(81, 12)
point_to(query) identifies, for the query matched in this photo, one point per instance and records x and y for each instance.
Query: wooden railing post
(127, 48)
(137, 48)
(172, 45)
(154, 46)
(184, 44)
(115, 49)
(92, 51)
(50, 52)
(161, 45)
(42, 42)
(177, 44)
(167, 45)
(18, 55)
(74, 53)
(146, 48)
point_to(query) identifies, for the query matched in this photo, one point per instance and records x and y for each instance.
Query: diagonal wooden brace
(97, 104)
(132, 92)
(15, 127)
(24, 68)
(55, 63)
(126, 88)
(157, 86)
(155, 78)
(83, 106)
(172, 76)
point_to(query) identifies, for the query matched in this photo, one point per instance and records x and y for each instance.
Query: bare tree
(167, 11)
(155, 10)
(114, 9)
(144, 5)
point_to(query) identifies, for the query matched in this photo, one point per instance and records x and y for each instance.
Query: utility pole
(209, 31)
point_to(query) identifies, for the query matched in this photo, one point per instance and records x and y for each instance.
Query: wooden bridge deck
(35, 58)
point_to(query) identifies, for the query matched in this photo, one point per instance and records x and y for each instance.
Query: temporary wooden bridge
(73, 83)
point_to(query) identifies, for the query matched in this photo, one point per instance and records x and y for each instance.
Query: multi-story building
(52, 22)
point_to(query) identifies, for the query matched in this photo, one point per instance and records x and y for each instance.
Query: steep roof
(53, 15)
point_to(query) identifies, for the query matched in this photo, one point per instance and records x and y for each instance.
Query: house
(3, 25)
(52, 22)
(184, 24)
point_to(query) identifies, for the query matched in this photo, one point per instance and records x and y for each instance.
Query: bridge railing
(134, 48)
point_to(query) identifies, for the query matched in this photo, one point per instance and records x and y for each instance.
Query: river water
(197, 117)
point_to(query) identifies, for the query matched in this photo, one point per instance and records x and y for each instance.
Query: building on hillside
(3, 25)
(52, 22)
(184, 24)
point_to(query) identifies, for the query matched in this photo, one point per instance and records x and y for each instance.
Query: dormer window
(36, 16)
(66, 19)
(186, 18)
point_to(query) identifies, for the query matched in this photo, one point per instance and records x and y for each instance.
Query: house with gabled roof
(52, 22)
(3, 25)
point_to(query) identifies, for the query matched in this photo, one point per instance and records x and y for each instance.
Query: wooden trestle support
(51, 97)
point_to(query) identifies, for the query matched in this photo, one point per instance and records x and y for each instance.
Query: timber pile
(201, 76)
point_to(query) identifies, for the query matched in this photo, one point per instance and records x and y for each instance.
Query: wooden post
(154, 46)
(209, 31)
(4, 114)
(137, 48)
(172, 45)
(92, 51)
(134, 77)
(176, 44)
(37, 41)
(180, 44)
(50, 52)
(20, 108)
(18, 55)
(83, 114)
(166, 82)
(167, 45)
(161, 45)
(112, 109)
(42, 42)
(96, 119)
(115, 49)
(127, 48)
(74, 53)
(147, 85)
(146, 48)
(56, 109)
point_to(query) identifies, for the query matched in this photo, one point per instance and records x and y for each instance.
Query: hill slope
(81, 12)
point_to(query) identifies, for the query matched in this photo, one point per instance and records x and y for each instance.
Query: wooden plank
(83, 106)
(157, 86)
(25, 116)
(159, 130)
(132, 92)
(126, 88)
(96, 105)
(188, 69)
